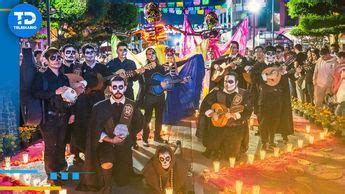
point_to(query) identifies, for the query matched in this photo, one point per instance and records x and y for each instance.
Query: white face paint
(165, 160)
(230, 83)
(90, 55)
(118, 89)
(270, 57)
(70, 54)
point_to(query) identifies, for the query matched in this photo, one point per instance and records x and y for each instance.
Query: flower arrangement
(321, 116)
(25, 133)
(9, 144)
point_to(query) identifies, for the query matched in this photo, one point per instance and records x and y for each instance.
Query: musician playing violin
(230, 138)
(274, 105)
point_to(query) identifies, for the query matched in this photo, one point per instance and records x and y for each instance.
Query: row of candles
(250, 157)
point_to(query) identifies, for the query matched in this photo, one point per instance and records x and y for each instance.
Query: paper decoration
(171, 4)
(179, 4)
(200, 11)
(165, 10)
(162, 4)
(197, 2)
(171, 10)
(218, 7)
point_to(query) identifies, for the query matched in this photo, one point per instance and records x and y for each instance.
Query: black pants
(157, 103)
(120, 156)
(54, 134)
(309, 92)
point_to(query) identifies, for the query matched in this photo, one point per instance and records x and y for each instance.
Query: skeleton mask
(118, 89)
(70, 95)
(165, 160)
(70, 54)
(90, 55)
(270, 57)
(230, 83)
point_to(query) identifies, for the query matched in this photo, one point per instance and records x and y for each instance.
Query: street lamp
(254, 7)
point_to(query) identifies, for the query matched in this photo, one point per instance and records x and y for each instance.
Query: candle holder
(63, 191)
(250, 158)
(216, 166)
(311, 139)
(256, 189)
(238, 186)
(276, 152)
(262, 154)
(7, 163)
(307, 128)
(322, 135)
(300, 143)
(169, 190)
(289, 147)
(46, 191)
(26, 158)
(232, 161)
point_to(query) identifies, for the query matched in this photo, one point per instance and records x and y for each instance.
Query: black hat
(49, 51)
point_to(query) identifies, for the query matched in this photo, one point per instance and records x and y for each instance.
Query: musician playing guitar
(233, 62)
(232, 105)
(274, 105)
(121, 62)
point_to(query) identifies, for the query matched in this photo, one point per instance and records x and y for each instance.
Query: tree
(317, 17)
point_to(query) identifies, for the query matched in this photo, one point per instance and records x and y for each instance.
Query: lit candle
(46, 191)
(307, 128)
(216, 166)
(256, 189)
(169, 190)
(27, 179)
(325, 130)
(262, 154)
(197, 113)
(289, 147)
(63, 191)
(232, 161)
(300, 143)
(150, 125)
(250, 158)
(25, 158)
(276, 152)
(238, 187)
(164, 129)
(36, 182)
(311, 139)
(322, 135)
(16, 175)
(7, 162)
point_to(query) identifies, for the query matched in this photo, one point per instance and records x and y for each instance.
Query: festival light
(25, 158)
(63, 191)
(216, 166)
(300, 143)
(169, 190)
(311, 139)
(256, 189)
(232, 161)
(7, 163)
(307, 128)
(276, 152)
(238, 186)
(262, 154)
(325, 130)
(289, 147)
(322, 135)
(254, 6)
(250, 158)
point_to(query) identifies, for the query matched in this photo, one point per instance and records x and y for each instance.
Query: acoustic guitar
(223, 68)
(171, 82)
(221, 110)
(273, 74)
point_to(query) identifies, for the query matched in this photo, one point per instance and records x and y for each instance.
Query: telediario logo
(24, 20)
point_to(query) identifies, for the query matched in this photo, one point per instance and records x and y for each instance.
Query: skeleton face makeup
(270, 57)
(151, 55)
(165, 160)
(230, 83)
(90, 55)
(118, 89)
(70, 54)
(122, 52)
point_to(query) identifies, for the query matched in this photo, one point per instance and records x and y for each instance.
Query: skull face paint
(230, 83)
(118, 89)
(270, 57)
(90, 55)
(70, 54)
(165, 160)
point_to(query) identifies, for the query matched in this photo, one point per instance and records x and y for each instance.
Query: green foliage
(317, 17)
(67, 10)
(9, 143)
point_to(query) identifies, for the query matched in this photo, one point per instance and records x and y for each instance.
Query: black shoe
(135, 146)
(106, 190)
(146, 143)
(159, 139)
